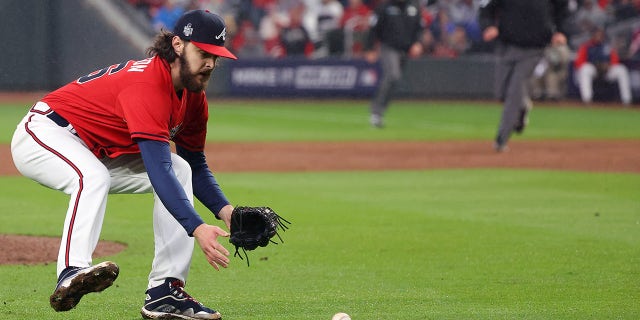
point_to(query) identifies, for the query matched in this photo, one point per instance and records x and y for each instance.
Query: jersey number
(97, 74)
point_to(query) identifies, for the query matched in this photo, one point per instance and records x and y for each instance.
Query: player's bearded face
(194, 80)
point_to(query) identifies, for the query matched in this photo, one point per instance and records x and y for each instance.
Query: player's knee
(395, 78)
(97, 179)
(618, 72)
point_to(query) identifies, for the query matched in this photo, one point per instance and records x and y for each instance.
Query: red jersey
(595, 52)
(111, 107)
(357, 17)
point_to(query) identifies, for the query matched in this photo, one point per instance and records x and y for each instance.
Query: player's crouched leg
(182, 170)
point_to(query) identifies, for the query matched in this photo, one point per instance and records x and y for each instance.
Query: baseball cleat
(75, 282)
(376, 121)
(500, 148)
(523, 118)
(523, 121)
(500, 145)
(170, 301)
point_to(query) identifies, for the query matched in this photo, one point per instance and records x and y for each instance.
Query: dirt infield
(592, 156)
(578, 155)
(602, 156)
(28, 250)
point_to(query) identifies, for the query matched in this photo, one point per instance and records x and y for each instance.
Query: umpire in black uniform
(395, 27)
(523, 28)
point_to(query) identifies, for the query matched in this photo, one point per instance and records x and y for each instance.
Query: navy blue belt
(58, 119)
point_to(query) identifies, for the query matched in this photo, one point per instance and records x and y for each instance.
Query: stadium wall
(48, 43)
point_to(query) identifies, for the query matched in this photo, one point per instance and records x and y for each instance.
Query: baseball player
(395, 28)
(523, 29)
(109, 132)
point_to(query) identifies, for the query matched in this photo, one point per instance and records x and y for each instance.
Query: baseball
(341, 316)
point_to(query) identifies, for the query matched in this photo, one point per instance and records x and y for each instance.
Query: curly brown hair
(162, 47)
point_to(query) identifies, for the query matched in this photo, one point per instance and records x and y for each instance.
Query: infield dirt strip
(576, 155)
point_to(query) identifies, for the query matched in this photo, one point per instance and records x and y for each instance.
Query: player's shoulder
(151, 71)
(148, 65)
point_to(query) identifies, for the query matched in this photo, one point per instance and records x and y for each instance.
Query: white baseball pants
(617, 72)
(57, 158)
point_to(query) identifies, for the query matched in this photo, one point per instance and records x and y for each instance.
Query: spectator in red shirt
(597, 58)
(355, 24)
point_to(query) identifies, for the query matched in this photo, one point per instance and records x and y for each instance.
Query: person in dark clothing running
(395, 30)
(522, 28)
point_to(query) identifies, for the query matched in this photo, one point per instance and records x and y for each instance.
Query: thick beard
(189, 80)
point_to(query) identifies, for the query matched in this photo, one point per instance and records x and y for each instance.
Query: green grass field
(425, 244)
(406, 120)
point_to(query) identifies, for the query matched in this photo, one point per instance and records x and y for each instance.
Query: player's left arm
(560, 15)
(157, 160)
(205, 185)
(416, 48)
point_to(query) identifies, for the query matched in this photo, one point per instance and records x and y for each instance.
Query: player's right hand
(207, 236)
(490, 33)
(371, 56)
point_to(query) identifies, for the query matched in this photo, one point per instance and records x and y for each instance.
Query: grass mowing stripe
(406, 120)
(413, 120)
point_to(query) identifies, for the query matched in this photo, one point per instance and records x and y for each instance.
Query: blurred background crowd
(321, 28)
(315, 29)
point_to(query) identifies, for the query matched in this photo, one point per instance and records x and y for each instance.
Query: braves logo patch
(173, 131)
